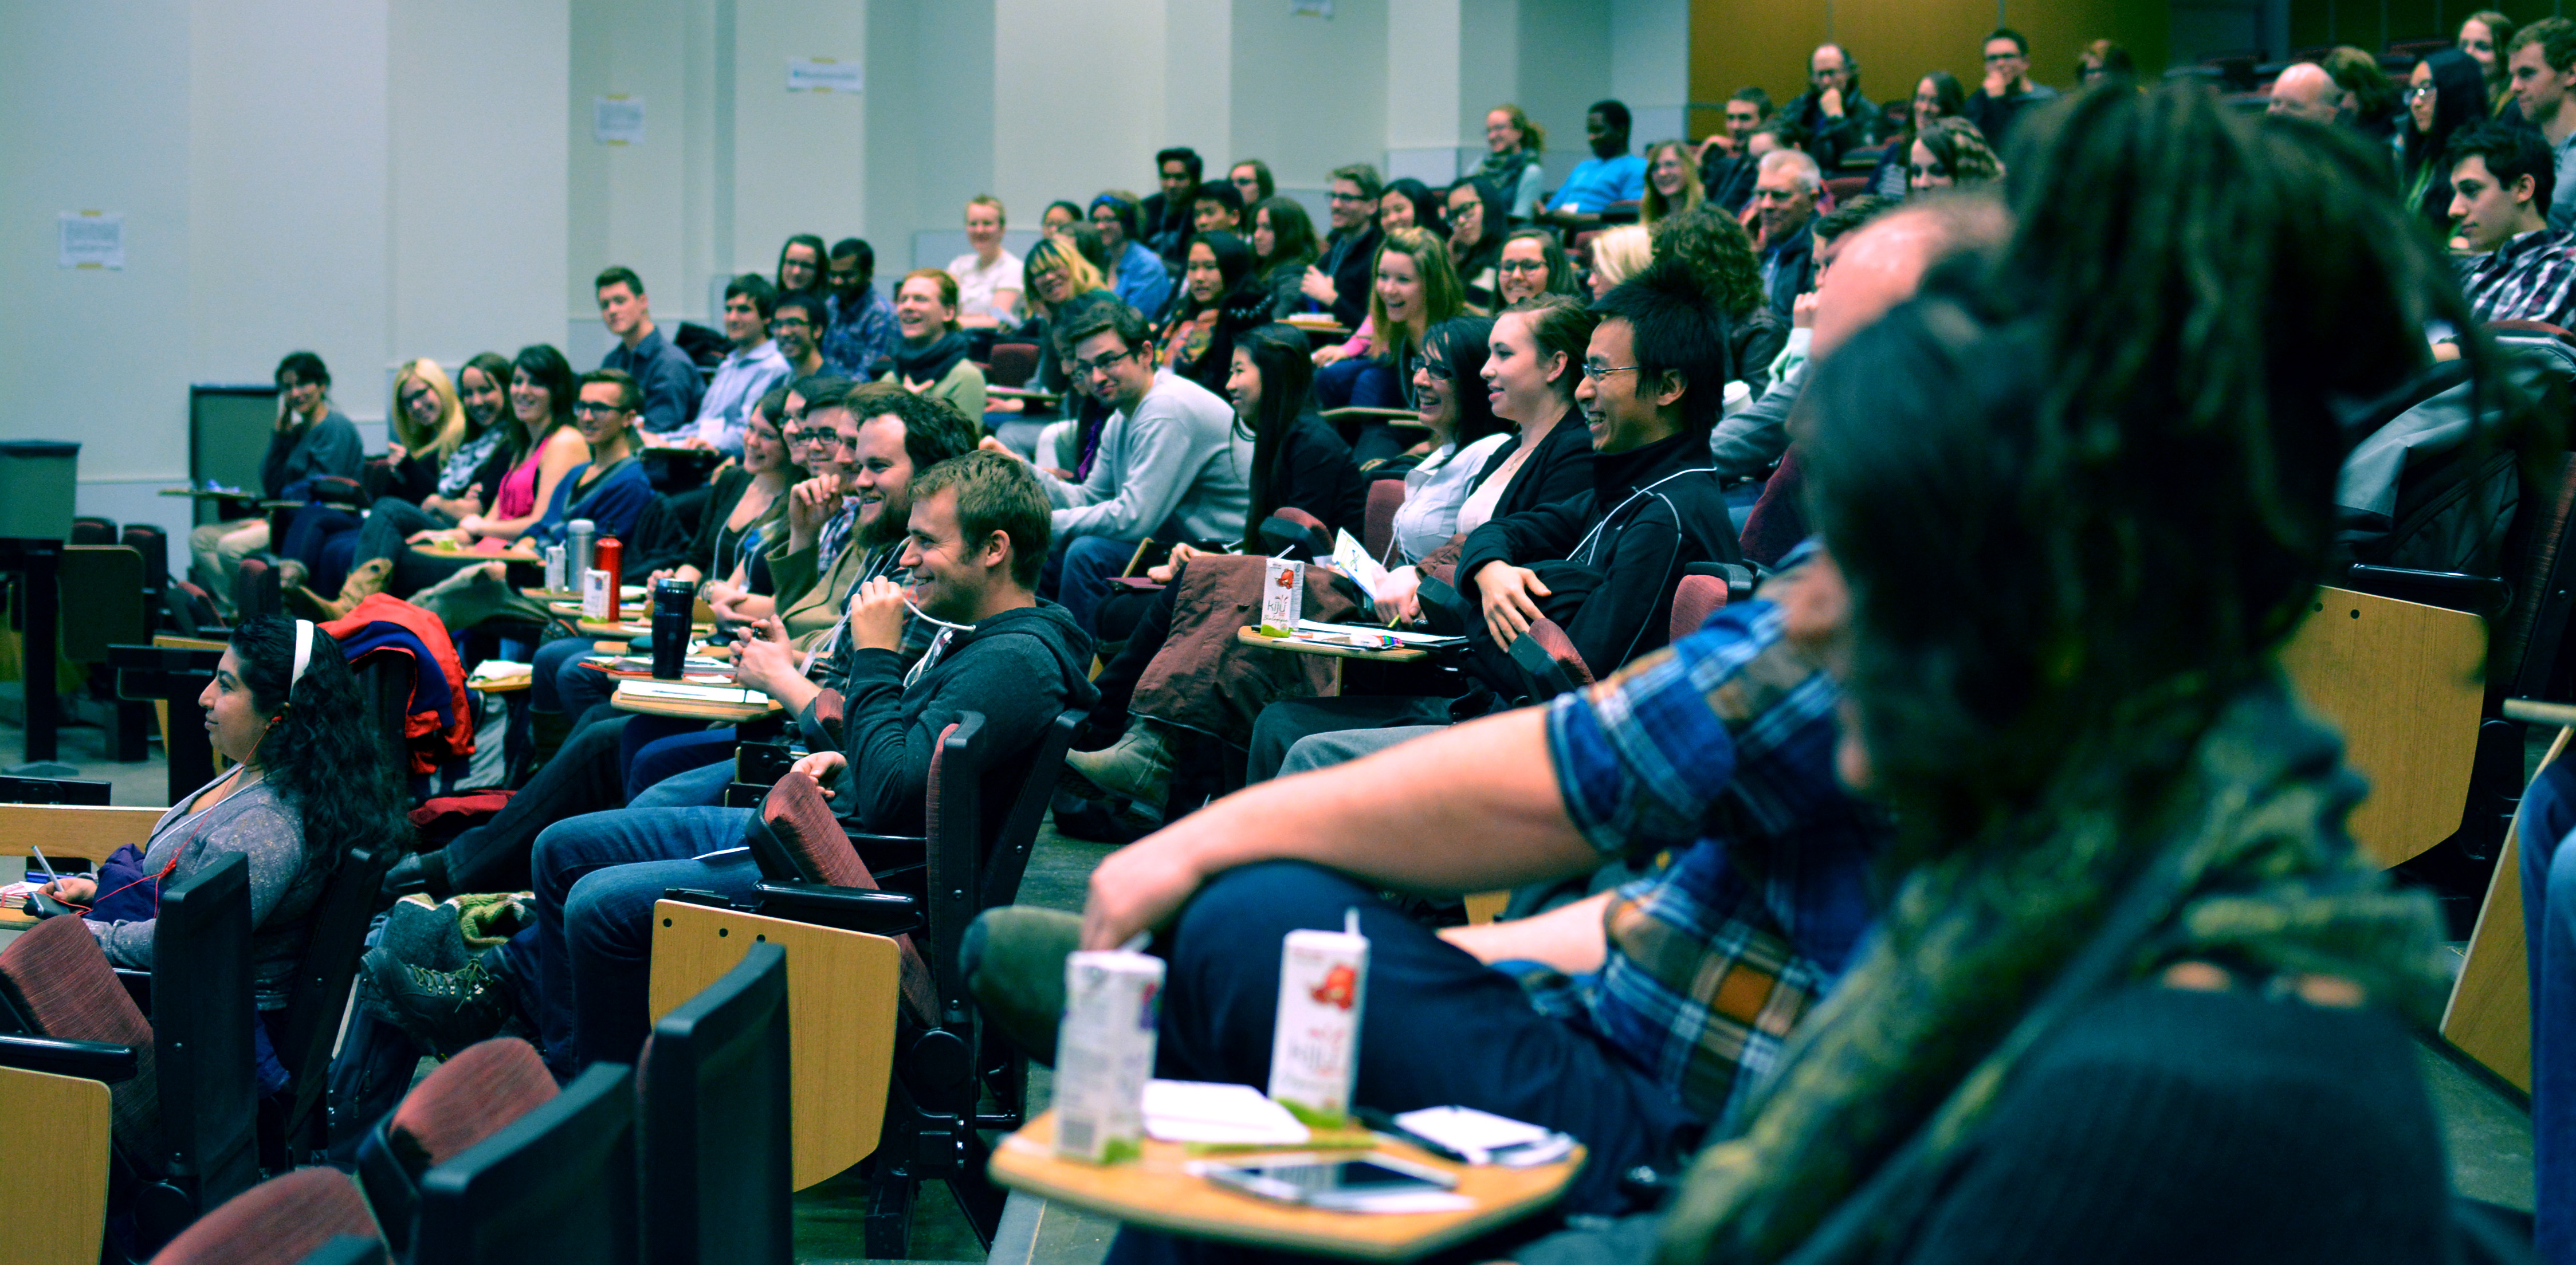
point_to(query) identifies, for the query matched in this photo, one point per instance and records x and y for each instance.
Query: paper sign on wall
(1314, 9)
(617, 120)
(93, 239)
(823, 74)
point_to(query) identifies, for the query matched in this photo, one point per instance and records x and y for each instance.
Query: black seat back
(715, 1134)
(203, 1007)
(54, 790)
(557, 1185)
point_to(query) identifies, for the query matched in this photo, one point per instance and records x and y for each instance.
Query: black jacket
(1018, 668)
(1353, 262)
(1797, 260)
(1313, 472)
(1728, 180)
(1829, 139)
(1611, 555)
(1168, 230)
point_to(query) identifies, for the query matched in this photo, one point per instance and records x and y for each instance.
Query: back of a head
(1717, 250)
(1620, 253)
(2357, 71)
(2125, 425)
(1677, 330)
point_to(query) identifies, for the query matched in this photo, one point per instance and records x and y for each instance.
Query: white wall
(380, 179)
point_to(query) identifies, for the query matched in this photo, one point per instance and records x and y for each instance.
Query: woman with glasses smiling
(2445, 92)
(1530, 265)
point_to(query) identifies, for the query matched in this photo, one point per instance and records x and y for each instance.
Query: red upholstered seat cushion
(277, 1222)
(469, 1098)
(60, 977)
(1694, 600)
(1377, 529)
(797, 813)
(1560, 647)
(802, 819)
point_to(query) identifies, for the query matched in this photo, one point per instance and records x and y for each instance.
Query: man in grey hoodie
(977, 539)
(1170, 465)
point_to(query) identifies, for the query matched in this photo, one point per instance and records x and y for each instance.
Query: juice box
(1283, 596)
(1104, 1054)
(1315, 1049)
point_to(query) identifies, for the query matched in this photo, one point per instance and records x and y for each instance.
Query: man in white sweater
(1171, 464)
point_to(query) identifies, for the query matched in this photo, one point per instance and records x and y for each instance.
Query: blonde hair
(986, 199)
(1620, 253)
(1442, 295)
(947, 287)
(1656, 205)
(436, 445)
(1052, 252)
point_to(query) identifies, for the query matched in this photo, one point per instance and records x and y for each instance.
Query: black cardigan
(729, 488)
(1354, 268)
(1313, 472)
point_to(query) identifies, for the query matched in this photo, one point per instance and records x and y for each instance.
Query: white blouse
(1434, 490)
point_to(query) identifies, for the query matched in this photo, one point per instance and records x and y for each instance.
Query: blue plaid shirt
(1720, 750)
(858, 336)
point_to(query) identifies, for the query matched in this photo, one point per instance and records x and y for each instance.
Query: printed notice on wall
(617, 120)
(1314, 9)
(93, 239)
(823, 74)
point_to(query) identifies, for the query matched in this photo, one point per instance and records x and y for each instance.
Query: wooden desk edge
(1253, 637)
(1026, 1161)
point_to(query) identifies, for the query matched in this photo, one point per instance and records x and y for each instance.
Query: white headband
(303, 652)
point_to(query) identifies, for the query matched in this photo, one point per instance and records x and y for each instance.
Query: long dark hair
(1458, 345)
(822, 265)
(1428, 214)
(1292, 233)
(1947, 90)
(2459, 99)
(548, 366)
(495, 366)
(336, 773)
(2127, 421)
(1279, 354)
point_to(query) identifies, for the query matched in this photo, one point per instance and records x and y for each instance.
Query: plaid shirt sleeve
(2529, 279)
(1719, 748)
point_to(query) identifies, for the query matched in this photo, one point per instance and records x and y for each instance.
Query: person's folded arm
(1160, 464)
(1748, 444)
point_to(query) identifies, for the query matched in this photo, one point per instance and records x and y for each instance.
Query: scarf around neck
(1983, 949)
(933, 362)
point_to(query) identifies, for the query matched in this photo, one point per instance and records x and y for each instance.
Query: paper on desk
(690, 693)
(500, 670)
(1402, 638)
(1204, 1111)
(1476, 1134)
(1352, 559)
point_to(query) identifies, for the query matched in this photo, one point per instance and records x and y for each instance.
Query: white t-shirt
(976, 284)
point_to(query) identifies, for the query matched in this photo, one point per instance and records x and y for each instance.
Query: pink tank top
(518, 497)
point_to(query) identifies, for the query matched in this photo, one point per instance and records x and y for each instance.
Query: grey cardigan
(259, 824)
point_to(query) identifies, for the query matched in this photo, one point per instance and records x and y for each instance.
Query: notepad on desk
(1320, 630)
(678, 692)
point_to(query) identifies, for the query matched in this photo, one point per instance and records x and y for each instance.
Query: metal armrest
(865, 909)
(87, 1060)
(2454, 590)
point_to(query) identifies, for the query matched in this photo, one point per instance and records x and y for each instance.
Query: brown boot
(367, 580)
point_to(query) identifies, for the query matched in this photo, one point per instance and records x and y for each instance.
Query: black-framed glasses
(1437, 371)
(1104, 364)
(590, 410)
(1521, 265)
(1992, 58)
(2416, 90)
(797, 322)
(1598, 372)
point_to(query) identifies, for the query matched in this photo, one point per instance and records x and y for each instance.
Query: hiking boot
(365, 581)
(1134, 774)
(444, 1010)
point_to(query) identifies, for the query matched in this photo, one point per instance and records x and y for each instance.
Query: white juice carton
(1104, 1053)
(598, 596)
(1315, 1049)
(1283, 596)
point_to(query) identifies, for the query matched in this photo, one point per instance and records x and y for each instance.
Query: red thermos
(608, 556)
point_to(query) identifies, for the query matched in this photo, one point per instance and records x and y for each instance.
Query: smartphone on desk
(1344, 1184)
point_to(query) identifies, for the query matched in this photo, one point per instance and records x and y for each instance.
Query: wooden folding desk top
(694, 709)
(1157, 1192)
(1253, 637)
(515, 553)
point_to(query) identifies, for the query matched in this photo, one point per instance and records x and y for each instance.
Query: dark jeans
(583, 777)
(390, 521)
(2546, 820)
(1083, 571)
(1281, 724)
(309, 540)
(657, 752)
(596, 879)
(1437, 1028)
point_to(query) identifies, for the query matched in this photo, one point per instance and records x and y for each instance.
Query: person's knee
(1247, 910)
(605, 912)
(2561, 891)
(561, 856)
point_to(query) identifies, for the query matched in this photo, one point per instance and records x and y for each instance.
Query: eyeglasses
(1992, 58)
(590, 410)
(1437, 371)
(1521, 265)
(1598, 372)
(2420, 90)
(1086, 368)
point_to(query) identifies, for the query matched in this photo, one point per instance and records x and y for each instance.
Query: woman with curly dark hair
(309, 782)
(1719, 254)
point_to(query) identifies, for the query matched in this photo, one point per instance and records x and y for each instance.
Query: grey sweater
(329, 446)
(1175, 470)
(259, 824)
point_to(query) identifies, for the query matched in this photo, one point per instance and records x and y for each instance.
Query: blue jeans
(1437, 1027)
(597, 876)
(1089, 564)
(653, 757)
(701, 787)
(1358, 382)
(561, 684)
(2544, 823)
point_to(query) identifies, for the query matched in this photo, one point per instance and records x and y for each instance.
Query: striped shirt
(2530, 278)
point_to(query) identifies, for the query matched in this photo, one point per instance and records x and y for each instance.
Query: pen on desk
(50, 876)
